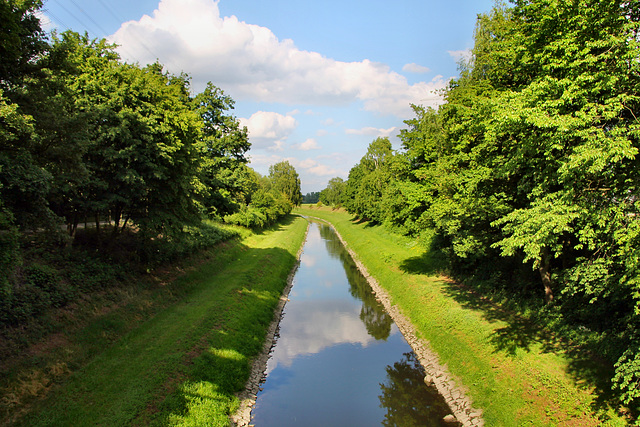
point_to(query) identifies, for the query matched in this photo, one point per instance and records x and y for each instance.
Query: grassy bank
(183, 363)
(514, 371)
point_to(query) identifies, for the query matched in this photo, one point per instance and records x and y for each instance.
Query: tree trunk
(117, 214)
(545, 275)
(98, 229)
(73, 226)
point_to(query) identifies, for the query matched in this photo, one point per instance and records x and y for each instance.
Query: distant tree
(285, 179)
(312, 197)
(368, 181)
(332, 195)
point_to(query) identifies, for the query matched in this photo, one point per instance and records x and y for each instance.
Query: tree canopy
(86, 138)
(531, 167)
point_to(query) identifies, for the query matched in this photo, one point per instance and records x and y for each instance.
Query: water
(340, 360)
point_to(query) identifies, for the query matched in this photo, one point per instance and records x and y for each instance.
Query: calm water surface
(340, 360)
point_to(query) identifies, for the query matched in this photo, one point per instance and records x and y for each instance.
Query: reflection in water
(336, 349)
(326, 323)
(406, 398)
(372, 314)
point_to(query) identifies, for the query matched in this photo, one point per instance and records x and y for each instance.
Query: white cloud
(309, 144)
(249, 62)
(459, 55)
(415, 68)
(371, 131)
(313, 167)
(318, 326)
(45, 21)
(269, 129)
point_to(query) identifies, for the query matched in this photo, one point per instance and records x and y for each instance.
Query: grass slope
(183, 365)
(513, 372)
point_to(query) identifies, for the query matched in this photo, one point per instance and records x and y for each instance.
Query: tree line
(526, 180)
(86, 138)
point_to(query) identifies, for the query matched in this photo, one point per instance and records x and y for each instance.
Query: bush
(54, 278)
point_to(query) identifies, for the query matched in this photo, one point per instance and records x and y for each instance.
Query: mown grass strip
(183, 366)
(514, 376)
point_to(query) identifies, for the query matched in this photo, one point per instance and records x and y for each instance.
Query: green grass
(513, 372)
(182, 365)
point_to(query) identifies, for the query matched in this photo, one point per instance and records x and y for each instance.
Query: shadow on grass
(523, 333)
(189, 369)
(363, 221)
(526, 332)
(220, 365)
(281, 224)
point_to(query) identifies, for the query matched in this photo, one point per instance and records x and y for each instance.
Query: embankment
(509, 372)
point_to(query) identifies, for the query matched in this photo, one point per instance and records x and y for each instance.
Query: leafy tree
(22, 41)
(267, 205)
(333, 194)
(312, 197)
(285, 179)
(223, 148)
(534, 159)
(368, 180)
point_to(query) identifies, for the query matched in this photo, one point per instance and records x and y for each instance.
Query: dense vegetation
(510, 367)
(526, 179)
(108, 167)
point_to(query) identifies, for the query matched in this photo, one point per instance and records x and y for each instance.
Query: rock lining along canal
(339, 358)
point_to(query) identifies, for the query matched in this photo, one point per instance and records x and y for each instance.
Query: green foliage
(21, 40)
(86, 138)
(368, 182)
(270, 199)
(223, 172)
(9, 248)
(532, 163)
(333, 194)
(627, 377)
(312, 197)
(248, 216)
(285, 180)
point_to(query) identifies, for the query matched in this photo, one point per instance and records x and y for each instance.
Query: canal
(339, 359)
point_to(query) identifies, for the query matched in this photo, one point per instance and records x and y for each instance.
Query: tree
(223, 147)
(534, 157)
(134, 140)
(368, 180)
(285, 179)
(22, 41)
(313, 197)
(332, 195)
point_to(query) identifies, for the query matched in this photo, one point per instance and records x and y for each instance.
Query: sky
(315, 82)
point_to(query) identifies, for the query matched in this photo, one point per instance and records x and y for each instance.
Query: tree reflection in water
(373, 315)
(407, 399)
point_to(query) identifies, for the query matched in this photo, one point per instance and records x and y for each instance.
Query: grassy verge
(182, 364)
(514, 371)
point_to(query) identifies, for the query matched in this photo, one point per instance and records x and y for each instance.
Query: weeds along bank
(514, 369)
(172, 350)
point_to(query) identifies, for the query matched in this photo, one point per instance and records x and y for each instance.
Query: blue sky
(314, 81)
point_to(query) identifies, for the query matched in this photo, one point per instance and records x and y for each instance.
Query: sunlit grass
(183, 365)
(513, 376)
